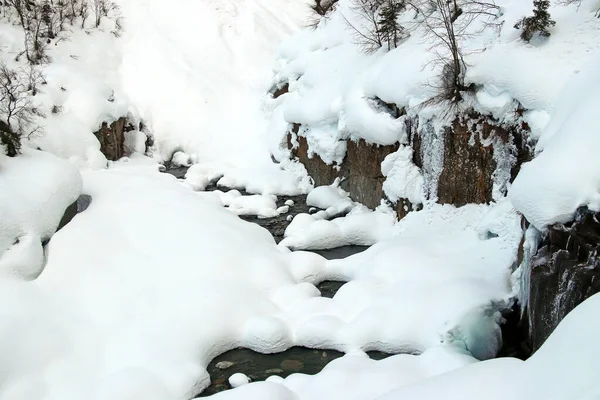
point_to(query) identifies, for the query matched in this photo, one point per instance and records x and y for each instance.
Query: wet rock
(292, 365)
(225, 364)
(341, 252)
(80, 205)
(69, 214)
(328, 289)
(274, 371)
(258, 367)
(565, 271)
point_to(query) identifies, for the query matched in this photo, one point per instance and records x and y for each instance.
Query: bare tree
(323, 7)
(17, 111)
(448, 23)
(366, 29)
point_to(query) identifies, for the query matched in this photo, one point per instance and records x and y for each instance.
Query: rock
(69, 214)
(274, 371)
(280, 91)
(361, 168)
(477, 153)
(292, 365)
(82, 203)
(564, 272)
(112, 138)
(225, 364)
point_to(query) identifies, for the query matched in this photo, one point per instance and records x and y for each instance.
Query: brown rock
(112, 138)
(292, 365)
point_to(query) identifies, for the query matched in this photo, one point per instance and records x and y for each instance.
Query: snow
(404, 178)
(237, 380)
(195, 71)
(215, 282)
(138, 293)
(265, 180)
(551, 187)
(335, 88)
(312, 231)
(325, 197)
(36, 189)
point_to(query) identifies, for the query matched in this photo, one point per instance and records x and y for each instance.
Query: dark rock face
(112, 138)
(361, 168)
(565, 271)
(468, 169)
(477, 151)
(472, 147)
(280, 91)
(362, 171)
(320, 172)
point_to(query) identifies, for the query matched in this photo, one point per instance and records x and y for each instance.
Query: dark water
(259, 367)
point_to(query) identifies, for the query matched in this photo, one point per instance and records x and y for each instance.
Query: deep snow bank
(35, 190)
(152, 281)
(566, 173)
(196, 71)
(336, 93)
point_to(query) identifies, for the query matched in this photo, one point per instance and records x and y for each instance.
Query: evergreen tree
(539, 23)
(388, 27)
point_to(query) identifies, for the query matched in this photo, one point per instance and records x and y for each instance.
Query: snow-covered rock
(35, 190)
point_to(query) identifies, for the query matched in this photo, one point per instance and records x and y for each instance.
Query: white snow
(404, 179)
(331, 198)
(565, 174)
(237, 380)
(35, 190)
(135, 296)
(312, 231)
(261, 179)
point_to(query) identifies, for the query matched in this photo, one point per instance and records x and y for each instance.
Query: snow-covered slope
(195, 71)
(336, 88)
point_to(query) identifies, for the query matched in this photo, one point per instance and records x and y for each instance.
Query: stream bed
(258, 366)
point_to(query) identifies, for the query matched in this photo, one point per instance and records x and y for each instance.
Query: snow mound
(313, 232)
(265, 179)
(36, 190)
(566, 174)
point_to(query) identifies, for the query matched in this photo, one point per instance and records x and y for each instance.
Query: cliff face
(472, 161)
(564, 272)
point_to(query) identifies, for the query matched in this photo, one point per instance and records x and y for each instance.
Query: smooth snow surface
(566, 174)
(35, 190)
(196, 70)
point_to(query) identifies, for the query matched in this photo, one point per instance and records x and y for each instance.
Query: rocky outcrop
(360, 170)
(477, 152)
(564, 272)
(476, 156)
(112, 138)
